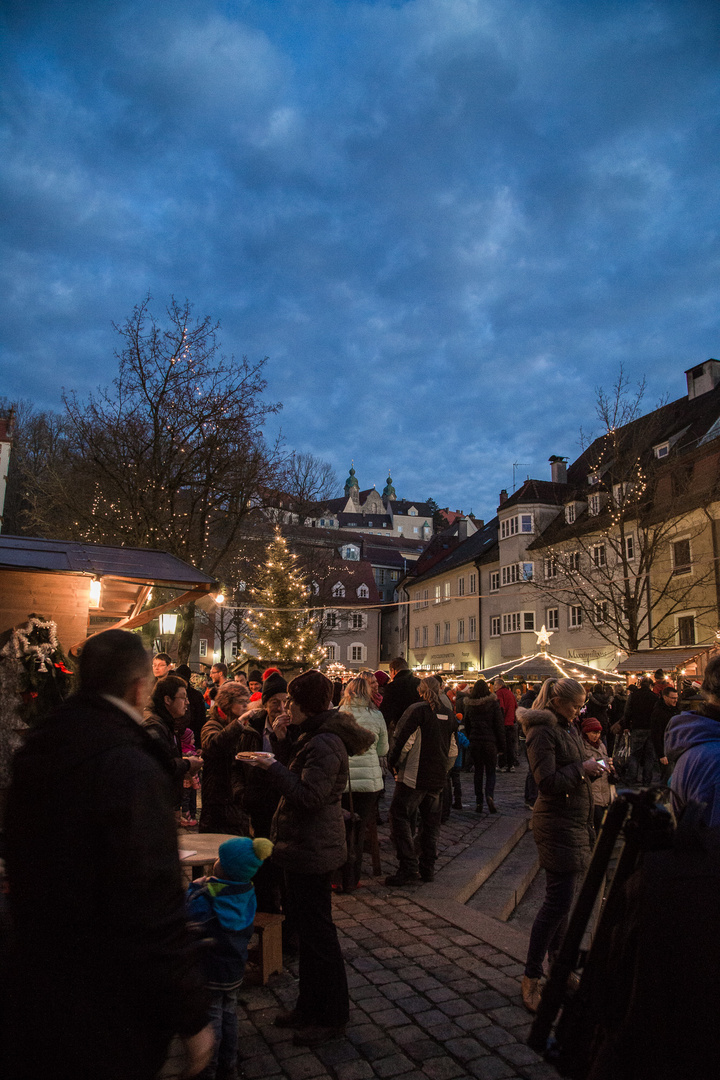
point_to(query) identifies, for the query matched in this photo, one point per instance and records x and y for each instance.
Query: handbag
(621, 752)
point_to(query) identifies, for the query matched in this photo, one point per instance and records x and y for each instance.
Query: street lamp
(95, 592)
(168, 624)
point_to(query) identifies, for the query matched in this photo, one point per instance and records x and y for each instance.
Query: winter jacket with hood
(562, 819)
(365, 771)
(422, 747)
(308, 829)
(692, 742)
(485, 723)
(602, 791)
(222, 914)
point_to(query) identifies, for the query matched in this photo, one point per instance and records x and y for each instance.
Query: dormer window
(593, 478)
(621, 492)
(662, 450)
(594, 505)
(350, 552)
(315, 588)
(363, 592)
(570, 513)
(412, 512)
(338, 589)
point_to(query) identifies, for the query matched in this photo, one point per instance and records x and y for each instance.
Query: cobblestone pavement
(435, 994)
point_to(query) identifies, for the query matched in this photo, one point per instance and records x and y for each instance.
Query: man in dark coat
(103, 972)
(662, 714)
(419, 759)
(638, 710)
(399, 693)
(528, 697)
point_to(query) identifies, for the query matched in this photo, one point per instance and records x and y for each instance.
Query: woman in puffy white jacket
(366, 778)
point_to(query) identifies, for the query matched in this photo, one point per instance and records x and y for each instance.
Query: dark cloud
(444, 221)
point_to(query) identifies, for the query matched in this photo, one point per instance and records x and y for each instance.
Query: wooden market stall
(86, 588)
(686, 662)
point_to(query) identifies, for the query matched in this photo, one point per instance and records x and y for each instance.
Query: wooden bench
(267, 954)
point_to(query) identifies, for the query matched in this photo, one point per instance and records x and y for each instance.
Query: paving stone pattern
(429, 1001)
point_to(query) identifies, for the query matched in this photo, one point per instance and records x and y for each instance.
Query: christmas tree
(281, 627)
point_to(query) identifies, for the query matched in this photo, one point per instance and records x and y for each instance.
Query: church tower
(388, 491)
(352, 488)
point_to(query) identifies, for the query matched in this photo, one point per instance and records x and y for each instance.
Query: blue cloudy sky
(445, 222)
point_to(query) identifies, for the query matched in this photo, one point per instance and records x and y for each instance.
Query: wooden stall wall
(65, 598)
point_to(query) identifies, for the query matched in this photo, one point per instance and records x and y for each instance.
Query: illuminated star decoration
(543, 637)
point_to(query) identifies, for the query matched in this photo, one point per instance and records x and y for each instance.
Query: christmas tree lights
(281, 627)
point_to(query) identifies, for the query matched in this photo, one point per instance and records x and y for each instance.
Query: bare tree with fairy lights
(172, 456)
(281, 622)
(622, 555)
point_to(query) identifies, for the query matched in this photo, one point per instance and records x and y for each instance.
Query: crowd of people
(294, 772)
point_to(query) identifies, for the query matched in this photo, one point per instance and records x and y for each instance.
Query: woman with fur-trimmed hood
(309, 835)
(562, 821)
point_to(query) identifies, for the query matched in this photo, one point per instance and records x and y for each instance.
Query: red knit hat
(591, 724)
(270, 671)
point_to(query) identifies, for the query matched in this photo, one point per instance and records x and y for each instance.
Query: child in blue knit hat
(222, 910)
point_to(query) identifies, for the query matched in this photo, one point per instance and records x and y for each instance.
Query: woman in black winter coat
(485, 729)
(309, 835)
(562, 821)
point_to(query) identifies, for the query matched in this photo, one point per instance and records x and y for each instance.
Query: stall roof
(667, 659)
(544, 665)
(99, 560)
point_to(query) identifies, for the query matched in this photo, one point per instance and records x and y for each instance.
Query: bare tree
(308, 480)
(613, 560)
(38, 458)
(173, 455)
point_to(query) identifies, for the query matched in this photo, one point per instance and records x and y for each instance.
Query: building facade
(444, 609)
(617, 551)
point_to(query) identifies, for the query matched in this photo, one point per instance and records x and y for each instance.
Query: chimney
(558, 469)
(703, 378)
(503, 496)
(466, 527)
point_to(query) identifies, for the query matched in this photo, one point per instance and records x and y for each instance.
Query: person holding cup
(308, 831)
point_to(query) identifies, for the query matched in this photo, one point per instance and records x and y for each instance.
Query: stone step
(505, 887)
(468, 871)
